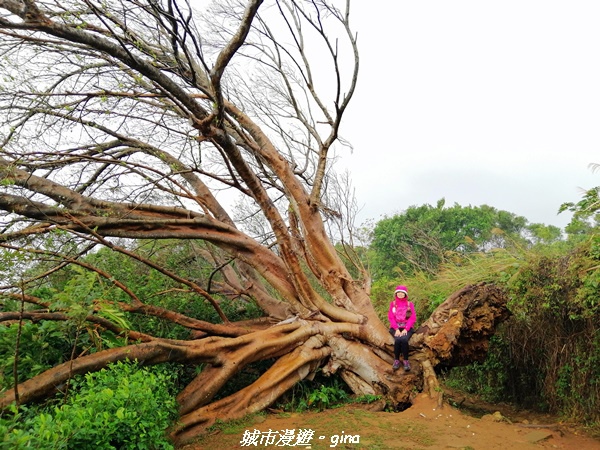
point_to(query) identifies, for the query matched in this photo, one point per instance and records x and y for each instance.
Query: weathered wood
(457, 333)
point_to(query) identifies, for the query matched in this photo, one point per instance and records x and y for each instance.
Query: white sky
(479, 102)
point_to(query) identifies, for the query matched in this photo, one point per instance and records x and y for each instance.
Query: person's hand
(399, 333)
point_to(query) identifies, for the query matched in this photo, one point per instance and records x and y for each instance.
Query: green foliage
(46, 344)
(565, 286)
(424, 237)
(121, 407)
(490, 378)
(325, 396)
(544, 234)
(42, 346)
(367, 398)
(324, 393)
(81, 292)
(155, 288)
(585, 213)
(354, 258)
(499, 266)
(547, 355)
(82, 295)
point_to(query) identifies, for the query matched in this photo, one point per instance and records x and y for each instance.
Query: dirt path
(422, 426)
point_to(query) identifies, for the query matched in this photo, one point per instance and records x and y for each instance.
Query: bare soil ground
(422, 426)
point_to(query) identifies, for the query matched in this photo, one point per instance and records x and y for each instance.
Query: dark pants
(401, 343)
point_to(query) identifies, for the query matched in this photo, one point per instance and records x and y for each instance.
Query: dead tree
(125, 120)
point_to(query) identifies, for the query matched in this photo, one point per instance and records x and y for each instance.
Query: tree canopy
(423, 237)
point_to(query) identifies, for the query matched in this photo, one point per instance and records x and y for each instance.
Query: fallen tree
(124, 123)
(457, 333)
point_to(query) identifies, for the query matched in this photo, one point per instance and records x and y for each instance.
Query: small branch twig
(17, 344)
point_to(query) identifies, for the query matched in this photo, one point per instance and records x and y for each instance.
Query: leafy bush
(490, 378)
(324, 393)
(121, 407)
(324, 397)
(41, 347)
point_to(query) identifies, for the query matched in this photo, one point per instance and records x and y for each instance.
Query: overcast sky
(479, 102)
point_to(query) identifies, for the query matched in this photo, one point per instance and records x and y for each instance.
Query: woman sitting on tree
(402, 319)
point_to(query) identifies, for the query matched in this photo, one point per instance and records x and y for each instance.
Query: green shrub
(489, 378)
(42, 346)
(319, 394)
(121, 407)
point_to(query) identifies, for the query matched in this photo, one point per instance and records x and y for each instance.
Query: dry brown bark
(457, 333)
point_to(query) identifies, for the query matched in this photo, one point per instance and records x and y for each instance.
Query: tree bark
(457, 333)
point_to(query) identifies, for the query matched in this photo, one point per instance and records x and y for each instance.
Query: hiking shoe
(406, 366)
(396, 365)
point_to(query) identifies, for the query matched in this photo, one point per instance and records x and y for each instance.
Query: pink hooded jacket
(402, 312)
